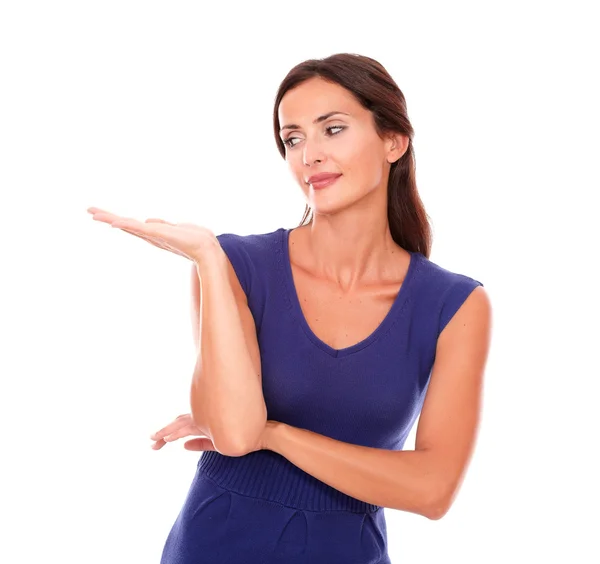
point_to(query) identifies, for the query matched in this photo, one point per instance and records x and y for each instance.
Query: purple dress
(261, 508)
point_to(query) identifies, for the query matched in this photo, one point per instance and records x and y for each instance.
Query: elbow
(238, 446)
(224, 444)
(250, 439)
(434, 512)
(438, 502)
(227, 447)
(241, 443)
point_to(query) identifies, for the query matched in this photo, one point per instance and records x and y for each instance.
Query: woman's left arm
(425, 480)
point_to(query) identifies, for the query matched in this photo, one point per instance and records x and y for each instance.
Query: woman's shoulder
(443, 290)
(252, 247)
(251, 240)
(251, 253)
(443, 277)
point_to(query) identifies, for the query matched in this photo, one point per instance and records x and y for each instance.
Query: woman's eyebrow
(318, 120)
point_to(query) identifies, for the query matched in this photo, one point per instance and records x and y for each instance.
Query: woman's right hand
(183, 426)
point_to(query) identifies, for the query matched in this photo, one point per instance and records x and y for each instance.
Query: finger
(199, 444)
(158, 230)
(94, 210)
(158, 444)
(180, 421)
(129, 223)
(156, 220)
(160, 435)
(104, 216)
(111, 218)
(181, 432)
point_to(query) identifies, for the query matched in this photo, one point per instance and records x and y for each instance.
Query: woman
(322, 344)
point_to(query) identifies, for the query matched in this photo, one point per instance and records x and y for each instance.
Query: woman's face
(344, 143)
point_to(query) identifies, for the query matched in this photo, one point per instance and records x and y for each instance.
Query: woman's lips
(324, 183)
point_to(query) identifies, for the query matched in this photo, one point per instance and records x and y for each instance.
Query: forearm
(226, 396)
(402, 480)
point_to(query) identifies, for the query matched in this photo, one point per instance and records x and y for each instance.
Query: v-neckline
(297, 309)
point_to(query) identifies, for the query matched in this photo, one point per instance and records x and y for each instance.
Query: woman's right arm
(227, 401)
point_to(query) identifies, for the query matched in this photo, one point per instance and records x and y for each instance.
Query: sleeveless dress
(262, 509)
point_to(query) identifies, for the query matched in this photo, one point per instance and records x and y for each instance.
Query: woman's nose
(312, 153)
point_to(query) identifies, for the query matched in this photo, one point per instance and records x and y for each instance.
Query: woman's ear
(397, 146)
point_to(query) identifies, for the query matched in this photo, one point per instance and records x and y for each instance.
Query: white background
(165, 109)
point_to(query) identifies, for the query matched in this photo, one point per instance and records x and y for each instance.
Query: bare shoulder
(472, 320)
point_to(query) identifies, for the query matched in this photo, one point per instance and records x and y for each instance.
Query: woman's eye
(288, 141)
(334, 127)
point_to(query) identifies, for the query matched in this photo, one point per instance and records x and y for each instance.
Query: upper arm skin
(450, 415)
(248, 325)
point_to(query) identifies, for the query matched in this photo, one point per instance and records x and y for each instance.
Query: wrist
(210, 259)
(272, 435)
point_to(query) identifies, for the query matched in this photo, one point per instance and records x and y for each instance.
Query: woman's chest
(342, 319)
(368, 396)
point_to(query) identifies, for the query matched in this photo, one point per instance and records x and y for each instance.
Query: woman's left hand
(184, 239)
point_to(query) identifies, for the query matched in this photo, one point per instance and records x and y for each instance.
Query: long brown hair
(376, 91)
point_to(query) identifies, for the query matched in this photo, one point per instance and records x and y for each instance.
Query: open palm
(184, 239)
